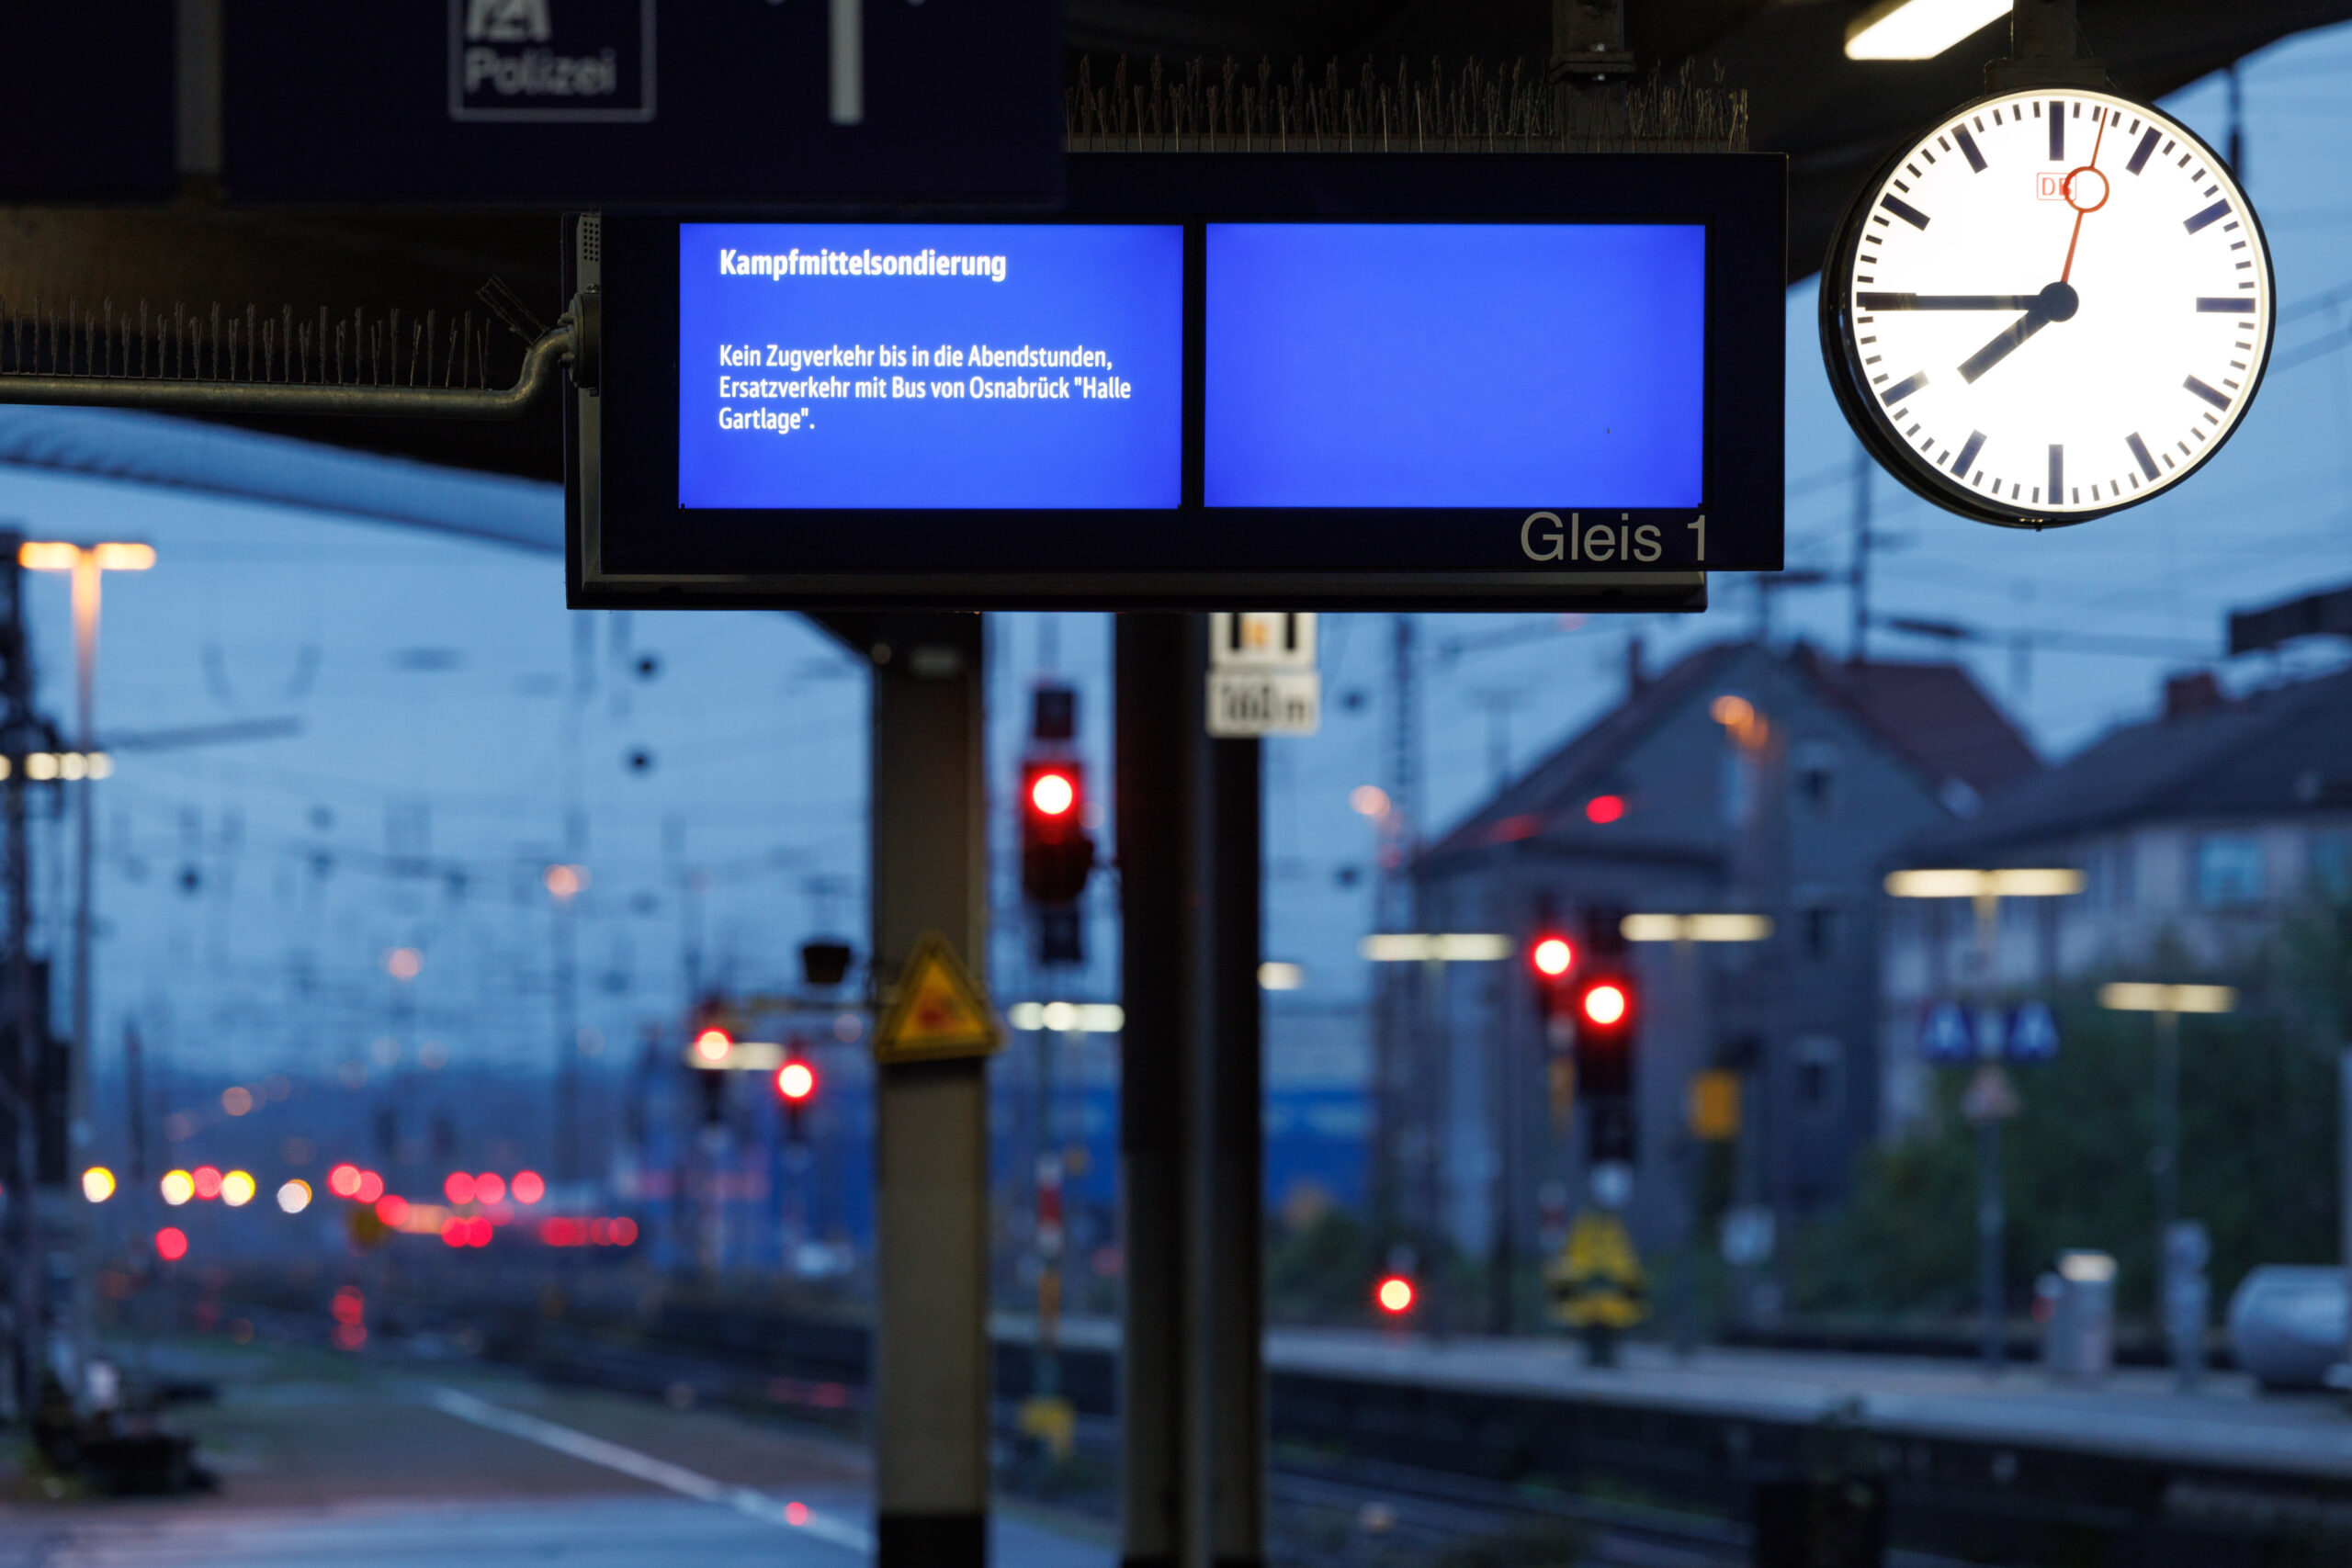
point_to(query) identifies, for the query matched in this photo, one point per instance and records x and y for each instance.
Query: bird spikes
(207, 344)
(1472, 109)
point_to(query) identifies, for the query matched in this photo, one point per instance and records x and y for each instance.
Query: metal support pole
(1154, 793)
(2164, 1163)
(1230, 1153)
(2344, 1189)
(930, 859)
(1991, 1218)
(1194, 1402)
(1992, 1224)
(26, 1014)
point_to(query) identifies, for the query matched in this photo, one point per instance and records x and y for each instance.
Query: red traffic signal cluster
(1056, 853)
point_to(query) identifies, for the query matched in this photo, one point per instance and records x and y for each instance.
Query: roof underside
(1834, 117)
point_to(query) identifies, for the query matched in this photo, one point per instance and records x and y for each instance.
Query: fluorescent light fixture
(2013, 881)
(1695, 928)
(1451, 947)
(1918, 29)
(1273, 975)
(2135, 996)
(1069, 1018)
(2087, 1267)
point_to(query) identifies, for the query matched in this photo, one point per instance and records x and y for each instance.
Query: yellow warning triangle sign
(937, 1009)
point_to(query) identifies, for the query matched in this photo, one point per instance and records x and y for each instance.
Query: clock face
(2055, 305)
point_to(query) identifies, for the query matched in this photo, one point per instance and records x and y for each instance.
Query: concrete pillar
(930, 860)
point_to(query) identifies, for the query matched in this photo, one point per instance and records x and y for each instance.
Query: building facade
(1743, 779)
(2195, 833)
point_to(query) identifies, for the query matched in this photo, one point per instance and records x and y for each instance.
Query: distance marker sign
(1215, 379)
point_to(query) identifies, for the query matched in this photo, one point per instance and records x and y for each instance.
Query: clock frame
(1843, 322)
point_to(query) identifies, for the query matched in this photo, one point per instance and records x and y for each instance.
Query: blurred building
(1743, 779)
(2196, 831)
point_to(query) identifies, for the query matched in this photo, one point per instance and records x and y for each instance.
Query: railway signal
(1056, 852)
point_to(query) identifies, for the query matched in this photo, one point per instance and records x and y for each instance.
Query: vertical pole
(25, 1022)
(1231, 1161)
(87, 581)
(1859, 649)
(1991, 1223)
(930, 860)
(1992, 1217)
(2344, 1188)
(1154, 796)
(2164, 1163)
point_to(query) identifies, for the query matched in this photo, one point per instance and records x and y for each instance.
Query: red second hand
(2082, 212)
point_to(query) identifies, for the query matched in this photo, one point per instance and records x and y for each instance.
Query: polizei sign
(551, 60)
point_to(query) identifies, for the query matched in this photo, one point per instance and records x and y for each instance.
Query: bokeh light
(207, 1182)
(97, 1184)
(294, 1196)
(527, 1186)
(177, 1186)
(344, 1181)
(237, 1189)
(489, 1188)
(171, 1244)
(459, 1187)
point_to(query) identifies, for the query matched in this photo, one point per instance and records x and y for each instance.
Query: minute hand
(1947, 301)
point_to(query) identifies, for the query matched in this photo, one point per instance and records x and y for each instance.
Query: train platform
(336, 1462)
(2227, 1422)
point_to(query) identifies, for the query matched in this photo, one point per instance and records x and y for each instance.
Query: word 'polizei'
(1544, 537)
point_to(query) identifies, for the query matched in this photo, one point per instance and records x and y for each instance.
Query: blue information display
(937, 366)
(1421, 365)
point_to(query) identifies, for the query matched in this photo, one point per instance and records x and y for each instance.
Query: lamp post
(1712, 1111)
(2167, 1003)
(1990, 1100)
(88, 564)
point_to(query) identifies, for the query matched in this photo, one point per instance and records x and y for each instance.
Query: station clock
(2055, 305)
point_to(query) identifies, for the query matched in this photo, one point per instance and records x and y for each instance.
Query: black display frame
(626, 550)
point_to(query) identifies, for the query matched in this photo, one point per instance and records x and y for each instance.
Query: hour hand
(2058, 303)
(1947, 301)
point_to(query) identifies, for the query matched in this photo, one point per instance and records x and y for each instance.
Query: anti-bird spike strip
(209, 360)
(1473, 109)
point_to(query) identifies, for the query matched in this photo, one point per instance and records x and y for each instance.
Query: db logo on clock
(2049, 187)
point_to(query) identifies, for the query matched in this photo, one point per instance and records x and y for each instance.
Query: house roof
(1933, 717)
(2276, 752)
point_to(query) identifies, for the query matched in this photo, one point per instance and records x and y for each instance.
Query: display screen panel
(871, 366)
(1440, 380)
(1428, 365)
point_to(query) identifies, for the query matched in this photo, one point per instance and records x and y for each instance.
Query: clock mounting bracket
(2046, 50)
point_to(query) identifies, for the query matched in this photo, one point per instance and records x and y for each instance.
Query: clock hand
(1947, 301)
(2056, 303)
(2081, 212)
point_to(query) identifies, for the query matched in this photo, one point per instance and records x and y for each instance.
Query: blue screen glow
(941, 366)
(1396, 365)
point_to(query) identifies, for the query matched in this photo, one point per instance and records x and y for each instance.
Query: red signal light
(1553, 956)
(459, 1187)
(1052, 791)
(713, 1045)
(796, 1081)
(349, 1305)
(392, 1209)
(1607, 1003)
(1604, 809)
(207, 1182)
(453, 1232)
(344, 1181)
(528, 1187)
(1394, 1295)
(487, 1187)
(370, 1188)
(171, 1244)
(478, 1231)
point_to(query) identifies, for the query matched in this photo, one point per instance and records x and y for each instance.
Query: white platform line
(645, 1467)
